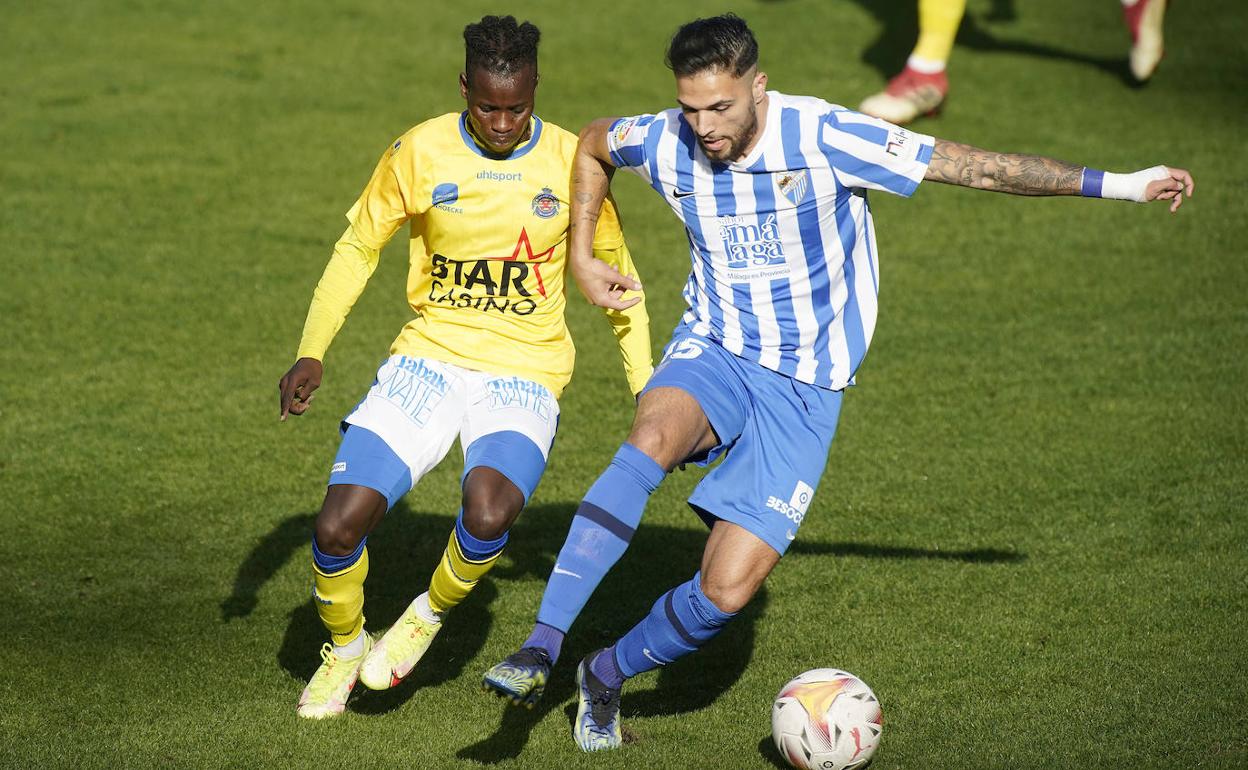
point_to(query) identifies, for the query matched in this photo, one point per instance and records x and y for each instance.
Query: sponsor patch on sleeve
(621, 130)
(899, 142)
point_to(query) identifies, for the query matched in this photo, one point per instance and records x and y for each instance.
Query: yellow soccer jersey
(488, 246)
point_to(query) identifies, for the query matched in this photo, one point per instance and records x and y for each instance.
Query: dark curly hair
(718, 43)
(500, 46)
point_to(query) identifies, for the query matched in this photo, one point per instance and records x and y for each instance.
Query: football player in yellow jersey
(485, 195)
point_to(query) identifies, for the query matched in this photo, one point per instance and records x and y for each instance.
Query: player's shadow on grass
(658, 559)
(867, 550)
(403, 552)
(406, 546)
(899, 30)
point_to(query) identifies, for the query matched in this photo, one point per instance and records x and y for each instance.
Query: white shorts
(417, 406)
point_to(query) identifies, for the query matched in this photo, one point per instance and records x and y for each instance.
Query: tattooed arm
(966, 166)
(601, 283)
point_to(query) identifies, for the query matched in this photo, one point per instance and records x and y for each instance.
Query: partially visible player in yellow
(922, 86)
(485, 358)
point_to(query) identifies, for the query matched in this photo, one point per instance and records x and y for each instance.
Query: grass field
(1031, 539)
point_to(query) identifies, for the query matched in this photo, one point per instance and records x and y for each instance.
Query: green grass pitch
(1031, 537)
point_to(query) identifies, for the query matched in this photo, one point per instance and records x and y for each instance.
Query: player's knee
(487, 516)
(336, 533)
(655, 442)
(728, 597)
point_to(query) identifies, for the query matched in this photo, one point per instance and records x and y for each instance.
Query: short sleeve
(385, 203)
(873, 154)
(627, 142)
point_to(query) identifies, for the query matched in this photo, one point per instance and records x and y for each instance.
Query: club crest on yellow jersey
(545, 204)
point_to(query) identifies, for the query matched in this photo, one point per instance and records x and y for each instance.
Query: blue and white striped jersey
(785, 269)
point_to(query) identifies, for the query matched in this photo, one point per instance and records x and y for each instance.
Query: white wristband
(1132, 187)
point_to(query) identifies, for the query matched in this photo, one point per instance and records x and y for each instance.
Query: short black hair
(718, 43)
(500, 46)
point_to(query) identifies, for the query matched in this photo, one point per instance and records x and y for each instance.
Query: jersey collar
(519, 151)
(770, 129)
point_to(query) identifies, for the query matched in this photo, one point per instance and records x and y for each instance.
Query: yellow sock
(456, 576)
(339, 598)
(938, 26)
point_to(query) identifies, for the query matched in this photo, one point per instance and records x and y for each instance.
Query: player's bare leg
(340, 564)
(491, 504)
(669, 427)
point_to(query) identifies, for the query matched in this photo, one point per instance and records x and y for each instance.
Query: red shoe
(908, 96)
(1144, 20)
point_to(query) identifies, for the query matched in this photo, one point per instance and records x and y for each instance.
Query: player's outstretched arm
(601, 283)
(966, 166)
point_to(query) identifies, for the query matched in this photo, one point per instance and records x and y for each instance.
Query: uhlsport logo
(545, 204)
(793, 184)
(795, 508)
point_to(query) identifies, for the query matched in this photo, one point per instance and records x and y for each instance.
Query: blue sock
(601, 529)
(331, 564)
(681, 621)
(607, 669)
(547, 638)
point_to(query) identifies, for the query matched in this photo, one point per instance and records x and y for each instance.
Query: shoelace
(528, 656)
(323, 679)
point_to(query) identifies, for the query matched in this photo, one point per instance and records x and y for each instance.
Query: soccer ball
(826, 719)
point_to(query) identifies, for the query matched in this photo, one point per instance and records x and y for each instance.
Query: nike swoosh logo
(678, 194)
(789, 534)
(561, 571)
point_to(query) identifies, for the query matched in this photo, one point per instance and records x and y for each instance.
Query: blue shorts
(365, 459)
(774, 431)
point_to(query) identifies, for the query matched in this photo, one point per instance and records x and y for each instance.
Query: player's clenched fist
(298, 384)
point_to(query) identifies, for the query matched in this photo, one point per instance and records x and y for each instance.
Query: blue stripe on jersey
(875, 278)
(726, 206)
(781, 291)
(868, 171)
(870, 132)
(925, 153)
(652, 152)
(851, 317)
(812, 244)
(693, 226)
(634, 153)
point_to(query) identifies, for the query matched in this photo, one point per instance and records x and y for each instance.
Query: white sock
(421, 605)
(353, 648)
(925, 66)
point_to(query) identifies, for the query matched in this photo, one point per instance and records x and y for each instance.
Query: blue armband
(1092, 182)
